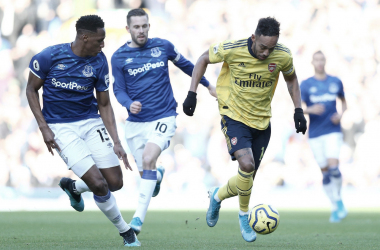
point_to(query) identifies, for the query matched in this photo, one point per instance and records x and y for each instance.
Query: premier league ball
(264, 219)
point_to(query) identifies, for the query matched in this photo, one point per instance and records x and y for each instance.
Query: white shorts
(80, 139)
(326, 147)
(138, 134)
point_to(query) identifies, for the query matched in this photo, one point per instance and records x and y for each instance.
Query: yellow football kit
(246, 85)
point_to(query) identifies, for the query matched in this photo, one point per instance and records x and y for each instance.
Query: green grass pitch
(187, 230)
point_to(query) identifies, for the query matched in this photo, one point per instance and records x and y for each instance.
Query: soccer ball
(264, 219)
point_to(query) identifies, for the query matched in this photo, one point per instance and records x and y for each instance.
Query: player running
(245, 89)
(70, 123)
(319, 93)
(142, 86)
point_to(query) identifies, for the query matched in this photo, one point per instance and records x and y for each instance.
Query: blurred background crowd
(347, 31)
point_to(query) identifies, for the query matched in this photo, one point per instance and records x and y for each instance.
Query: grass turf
(186, 230)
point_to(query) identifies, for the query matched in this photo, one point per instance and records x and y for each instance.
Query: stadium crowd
(347, 31)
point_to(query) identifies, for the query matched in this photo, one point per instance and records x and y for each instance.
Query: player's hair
(318, 52)
(268, 26)
(89, 23)
(136, 12)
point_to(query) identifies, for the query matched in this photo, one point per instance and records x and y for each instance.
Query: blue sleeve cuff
(127, 104)
(204, 82)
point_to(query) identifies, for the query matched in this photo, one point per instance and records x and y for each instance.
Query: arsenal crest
(156, 52)
(272, 67)
(234, 141)
(87, 71)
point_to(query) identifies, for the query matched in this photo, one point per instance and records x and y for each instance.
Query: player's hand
(316, 109)
(190, 103)
(119, 151)
(135, 107)
(300, 121)
(48, 136)
(335, 118)
(212, 90)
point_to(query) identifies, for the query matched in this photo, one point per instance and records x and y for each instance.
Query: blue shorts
(239, 136)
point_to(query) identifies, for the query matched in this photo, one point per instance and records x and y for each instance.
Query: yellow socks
(240, 184)
(229, 190)
(244, 184)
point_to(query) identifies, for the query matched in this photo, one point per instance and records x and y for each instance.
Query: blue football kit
(323, 92)
(69, 82)
(141, 74)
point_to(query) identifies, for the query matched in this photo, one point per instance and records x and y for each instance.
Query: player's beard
(134, 39)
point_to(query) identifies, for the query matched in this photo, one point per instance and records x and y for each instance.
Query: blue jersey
(141, 74)
(324, 92)
(68, 90)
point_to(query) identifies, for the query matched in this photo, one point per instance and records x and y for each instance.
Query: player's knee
(115, 186)
(100, 187)
(148, 162)
(247, 166)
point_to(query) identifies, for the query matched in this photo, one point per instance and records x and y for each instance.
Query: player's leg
(249, 162)
(236, 135)
(334, 142)
(136, 135)
(147, 184)
(101, 148)
(107, 170)
(159, 133)
(72, 151)
(105, 200)
(318, 147)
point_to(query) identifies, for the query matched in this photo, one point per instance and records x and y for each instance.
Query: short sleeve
(341, 89)
(288, 68)
(172, 52)
(304, 92)
(41, 63)
(103, 82)
(217, 53)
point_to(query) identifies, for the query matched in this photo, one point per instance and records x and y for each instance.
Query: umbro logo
(241, 65)
(129, 60)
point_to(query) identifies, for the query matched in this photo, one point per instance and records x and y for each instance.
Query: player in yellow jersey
(245, 89)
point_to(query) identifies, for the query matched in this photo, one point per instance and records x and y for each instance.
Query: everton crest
(87, 71)
(156, 52)
(272, 67)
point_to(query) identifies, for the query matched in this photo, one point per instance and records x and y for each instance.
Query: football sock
(227, 191)
(107, 204)
(80, 186)
(328, 186)
(244, 184)
(147, 185)
(336, 179)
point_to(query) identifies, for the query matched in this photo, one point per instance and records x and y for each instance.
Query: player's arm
(120, 89)
(108, 117)
(198, 72)
(316, 109)
(295, 93)
(335, 118)
(187, 67)
(34, 84)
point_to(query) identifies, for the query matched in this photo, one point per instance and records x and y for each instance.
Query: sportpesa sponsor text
(70, 85)
(146, 67)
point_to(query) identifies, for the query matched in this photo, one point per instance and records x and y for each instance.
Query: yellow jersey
(246, 85)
